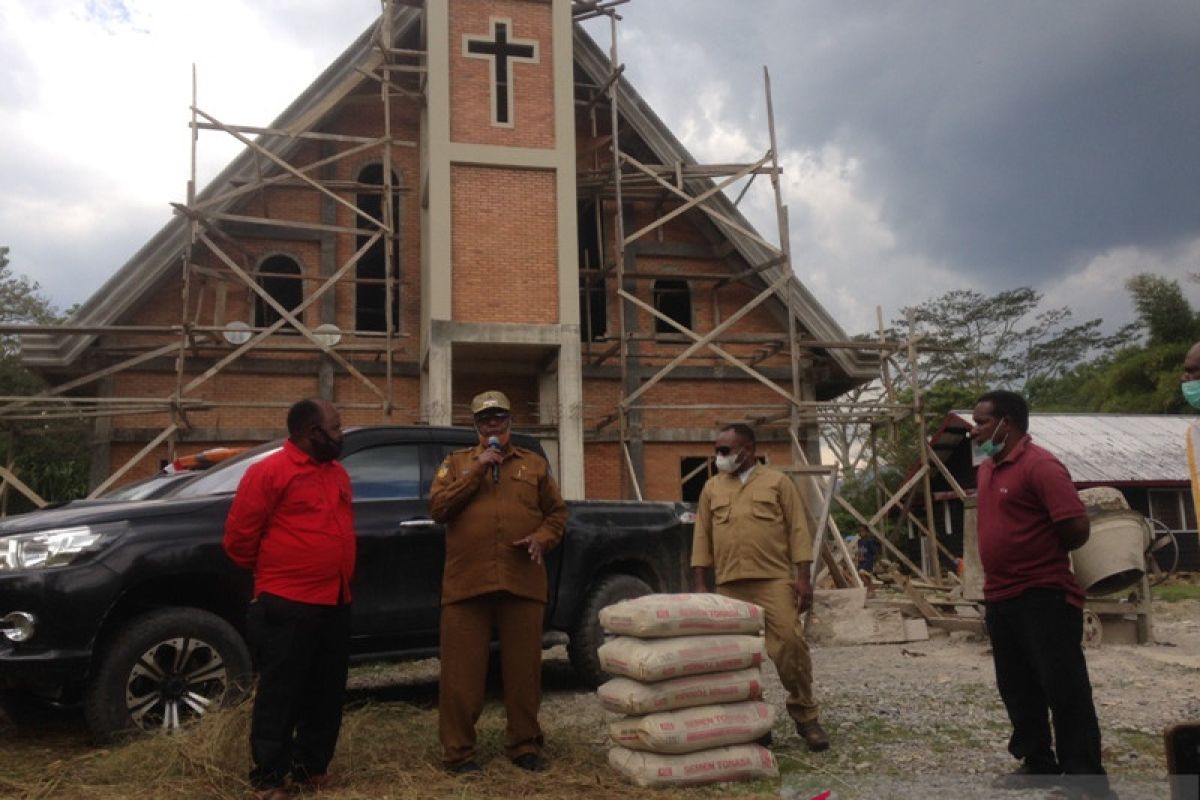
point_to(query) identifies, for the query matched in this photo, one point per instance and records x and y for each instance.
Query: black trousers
(301, 652)
(1041, 674)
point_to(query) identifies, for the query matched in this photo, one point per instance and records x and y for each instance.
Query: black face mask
(325, 448)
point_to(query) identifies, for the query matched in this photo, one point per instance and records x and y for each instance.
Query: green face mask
(1191, 393)
(990, 448)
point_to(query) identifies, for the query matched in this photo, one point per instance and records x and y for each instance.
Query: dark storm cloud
(1016, 138)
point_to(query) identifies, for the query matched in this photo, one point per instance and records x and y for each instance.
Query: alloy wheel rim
(174, 682)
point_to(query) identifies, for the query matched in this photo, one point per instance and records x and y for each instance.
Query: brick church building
(435, 216)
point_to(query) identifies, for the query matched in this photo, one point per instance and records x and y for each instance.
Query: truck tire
(588, 635)
(164, 669)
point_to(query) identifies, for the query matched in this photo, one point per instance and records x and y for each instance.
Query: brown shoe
(813, 735)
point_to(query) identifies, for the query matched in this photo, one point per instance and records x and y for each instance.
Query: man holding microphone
(502, 512)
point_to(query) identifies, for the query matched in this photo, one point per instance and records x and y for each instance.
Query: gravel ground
(923, 719)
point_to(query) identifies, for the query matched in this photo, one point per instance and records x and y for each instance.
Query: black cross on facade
(499, 51)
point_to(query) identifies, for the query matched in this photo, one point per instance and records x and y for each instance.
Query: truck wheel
(165, 669)
(588, 635)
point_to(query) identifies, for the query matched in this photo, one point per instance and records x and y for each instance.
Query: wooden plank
(18, 484)
(257, 148)
(704, 341)
(918, 599)
(291, 318)
(247, 188)
(883, 540)
(697, 202)
(128, 465)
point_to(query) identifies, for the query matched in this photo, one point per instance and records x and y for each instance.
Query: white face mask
(727, 463)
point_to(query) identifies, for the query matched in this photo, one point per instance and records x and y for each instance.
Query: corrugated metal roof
(1110, 448)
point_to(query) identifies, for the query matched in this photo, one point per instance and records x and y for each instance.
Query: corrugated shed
(1114, 448)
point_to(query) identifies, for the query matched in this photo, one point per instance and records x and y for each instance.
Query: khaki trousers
(466, 632)
(785, 640)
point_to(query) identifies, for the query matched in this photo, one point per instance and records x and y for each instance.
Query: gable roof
(1099, 448)
(156, 261)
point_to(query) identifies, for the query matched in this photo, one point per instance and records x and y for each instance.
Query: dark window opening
(593, 296)
(280, 277)
(593, 308)
(672, 298)
(694, 473)
(370, 294)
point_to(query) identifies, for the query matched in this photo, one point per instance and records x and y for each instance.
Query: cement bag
(692, 729)
(742, 762)
(627, 696)
(659, 659)
(657, 615)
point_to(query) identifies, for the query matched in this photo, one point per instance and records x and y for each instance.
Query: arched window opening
(370, 294)
(672, 298)
(280, 277)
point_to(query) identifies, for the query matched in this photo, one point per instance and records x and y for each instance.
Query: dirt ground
(913, 720)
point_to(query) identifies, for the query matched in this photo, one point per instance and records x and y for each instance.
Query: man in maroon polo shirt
(1030, 518)
(292, 524)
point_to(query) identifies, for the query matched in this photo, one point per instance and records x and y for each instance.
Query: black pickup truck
(133, 609)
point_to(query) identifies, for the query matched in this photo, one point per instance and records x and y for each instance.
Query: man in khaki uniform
(751, 528)
(503, 512)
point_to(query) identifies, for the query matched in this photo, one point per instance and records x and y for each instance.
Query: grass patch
(387, 751)
(1176, 591)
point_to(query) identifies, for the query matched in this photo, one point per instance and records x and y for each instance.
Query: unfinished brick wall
(504, 245)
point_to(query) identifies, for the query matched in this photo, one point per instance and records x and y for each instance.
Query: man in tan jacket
(751, 529)
(503, 512)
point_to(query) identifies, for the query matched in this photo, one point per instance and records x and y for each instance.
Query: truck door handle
(417, 523)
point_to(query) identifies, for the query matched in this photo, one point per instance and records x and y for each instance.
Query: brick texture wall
(504, 245)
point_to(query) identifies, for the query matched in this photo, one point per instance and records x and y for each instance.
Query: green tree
(976, 342)
(1140, 377)
(1163, 312)
(51, 457)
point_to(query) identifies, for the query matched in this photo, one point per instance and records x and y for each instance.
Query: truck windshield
(224, 478)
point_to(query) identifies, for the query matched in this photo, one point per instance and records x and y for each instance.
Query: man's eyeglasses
(723, 451)
(498, 416)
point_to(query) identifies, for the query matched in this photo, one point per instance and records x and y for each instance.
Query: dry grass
(387, 750)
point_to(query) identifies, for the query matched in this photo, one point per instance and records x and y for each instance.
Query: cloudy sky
(926, 145)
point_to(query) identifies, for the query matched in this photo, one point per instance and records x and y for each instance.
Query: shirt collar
(744, 477)
(297, 455)
(1017, 451)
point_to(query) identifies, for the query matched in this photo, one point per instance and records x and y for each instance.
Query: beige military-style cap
(490, 400)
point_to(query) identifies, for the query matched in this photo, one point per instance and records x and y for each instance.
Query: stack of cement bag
(690, 690)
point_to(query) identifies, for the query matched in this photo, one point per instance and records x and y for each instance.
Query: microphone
(494, 444)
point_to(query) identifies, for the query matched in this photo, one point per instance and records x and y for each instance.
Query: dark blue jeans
(1041, 674)
(301, 652)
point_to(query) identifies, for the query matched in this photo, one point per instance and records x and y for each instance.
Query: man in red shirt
(1030, 518)
(291, 524)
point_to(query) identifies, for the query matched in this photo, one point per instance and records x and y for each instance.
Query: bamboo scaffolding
(776, 361)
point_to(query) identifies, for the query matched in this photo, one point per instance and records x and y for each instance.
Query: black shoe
(465, 769)
(1026, 777)
(531, 762)
(813, 735)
